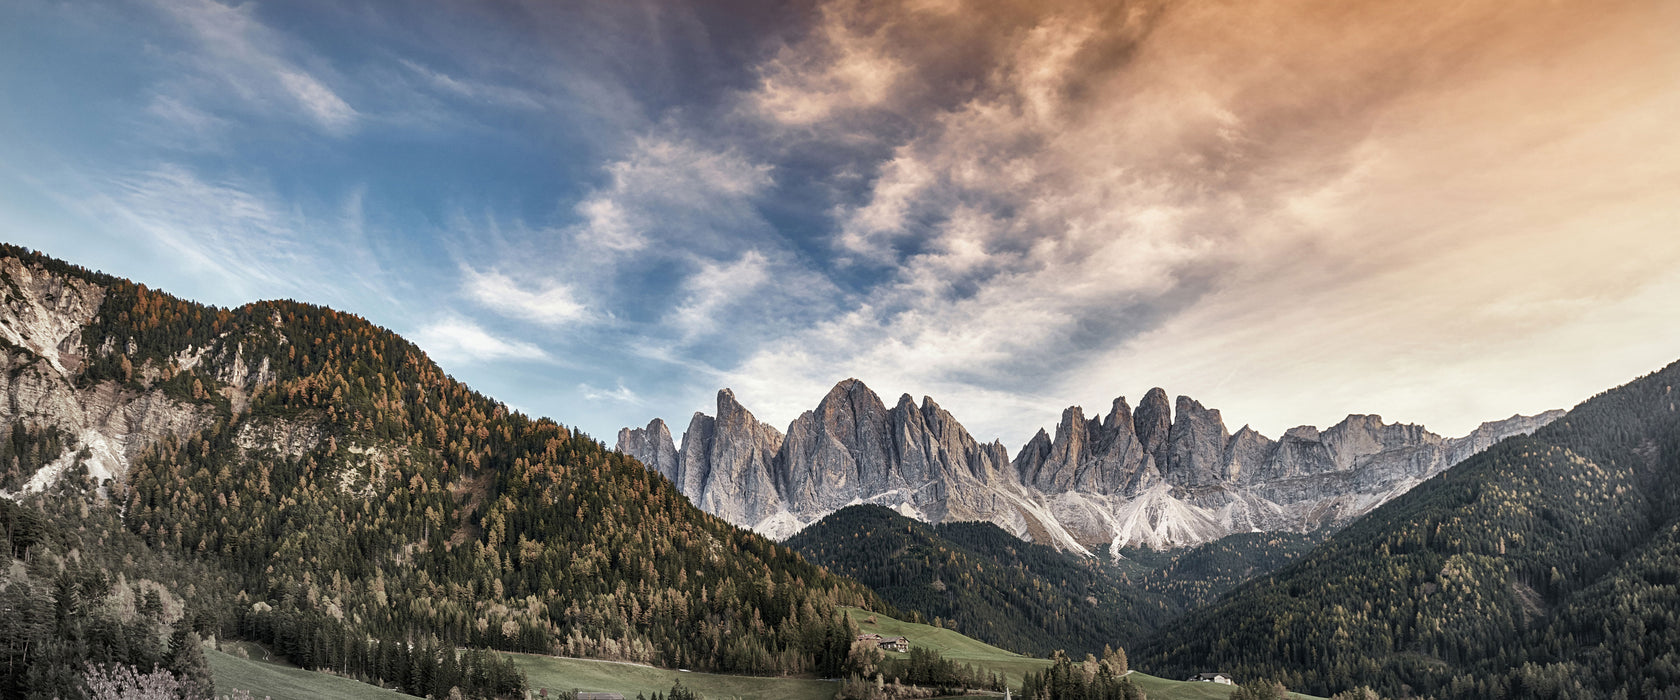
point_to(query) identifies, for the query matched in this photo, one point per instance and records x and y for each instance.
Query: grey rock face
(1246, 455)
(1488, 434)
(42, 316)
(1087, 455)
(652, 446)
(1154, 425)
(1159, 477)
(843, 448)
(726, 463)
(1197, 439)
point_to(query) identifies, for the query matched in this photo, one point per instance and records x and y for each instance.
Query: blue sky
(603, 212)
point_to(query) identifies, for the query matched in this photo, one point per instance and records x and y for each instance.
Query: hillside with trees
(979, 580)
(360, 511)
(1545, 567)
(1198, 575)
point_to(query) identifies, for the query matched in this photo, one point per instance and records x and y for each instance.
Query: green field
(988, 658)
(281, 681)
(951, 645)
(557, 673)
(285, 682)
(1163, 689)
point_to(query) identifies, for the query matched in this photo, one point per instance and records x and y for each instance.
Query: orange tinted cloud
(1291, 209)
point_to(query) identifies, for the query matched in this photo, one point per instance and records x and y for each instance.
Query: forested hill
(981, 581)
(348, 491)
(1545, 567)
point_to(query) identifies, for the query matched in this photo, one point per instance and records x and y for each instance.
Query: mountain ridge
(1166, 475)
(1544, 566)
(316, 483)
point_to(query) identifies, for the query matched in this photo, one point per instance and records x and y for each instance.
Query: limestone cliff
(46, 309)
(1163, 476)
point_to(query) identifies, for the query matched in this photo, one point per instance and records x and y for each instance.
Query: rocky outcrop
(1089, 456)
(1490, 433)
(42, 316)
(653, 446)
(725, 465)
(1197, 446)
(1162, 476)
(1154, 424)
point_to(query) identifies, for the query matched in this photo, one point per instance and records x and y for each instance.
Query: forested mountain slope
(1544, 567)
(1196, 576)
(353, 492)
(977, 579)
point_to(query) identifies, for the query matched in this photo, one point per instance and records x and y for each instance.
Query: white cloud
(319, 100)
(240, 57)
(716, 287)
(621, 394)
(478, 91)
(843, 67)
(675, 192)
(458, 340)
(230, 229)
(552, 304)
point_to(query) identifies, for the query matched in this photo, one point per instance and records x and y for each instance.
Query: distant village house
(898, 644)
(1213, 678)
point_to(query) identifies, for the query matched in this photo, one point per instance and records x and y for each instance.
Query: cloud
(1047, 188)
(234, 239)
(674, 191)
(842, 67)
(715, 287)
(552, 305)
(457, 340)
(621, 394)
(319, 100)
(478, 91)
(238, 56)
(230, 229)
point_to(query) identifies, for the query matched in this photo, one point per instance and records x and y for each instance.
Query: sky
(1442, 212)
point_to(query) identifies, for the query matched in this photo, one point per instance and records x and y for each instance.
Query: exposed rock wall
(42, 317)
(1162, 476)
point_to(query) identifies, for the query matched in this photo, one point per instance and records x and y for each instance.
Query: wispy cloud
(238, 56)
(551, 304)
(458, 340)
(620, 394)
(715, 287)
(232, 230)
(477, 90)
(846, 65)
(673, 191)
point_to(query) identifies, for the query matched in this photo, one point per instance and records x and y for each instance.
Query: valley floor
(281, 681)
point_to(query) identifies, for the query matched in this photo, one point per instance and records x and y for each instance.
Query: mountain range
(1163, 475)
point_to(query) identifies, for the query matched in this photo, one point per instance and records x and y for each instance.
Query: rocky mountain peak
(1153, 425)
(1302, 432)
(653, 446)
(1198, 438)
(1119, 417)
(1166, 474)
(1246, 454)
(726, 465)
